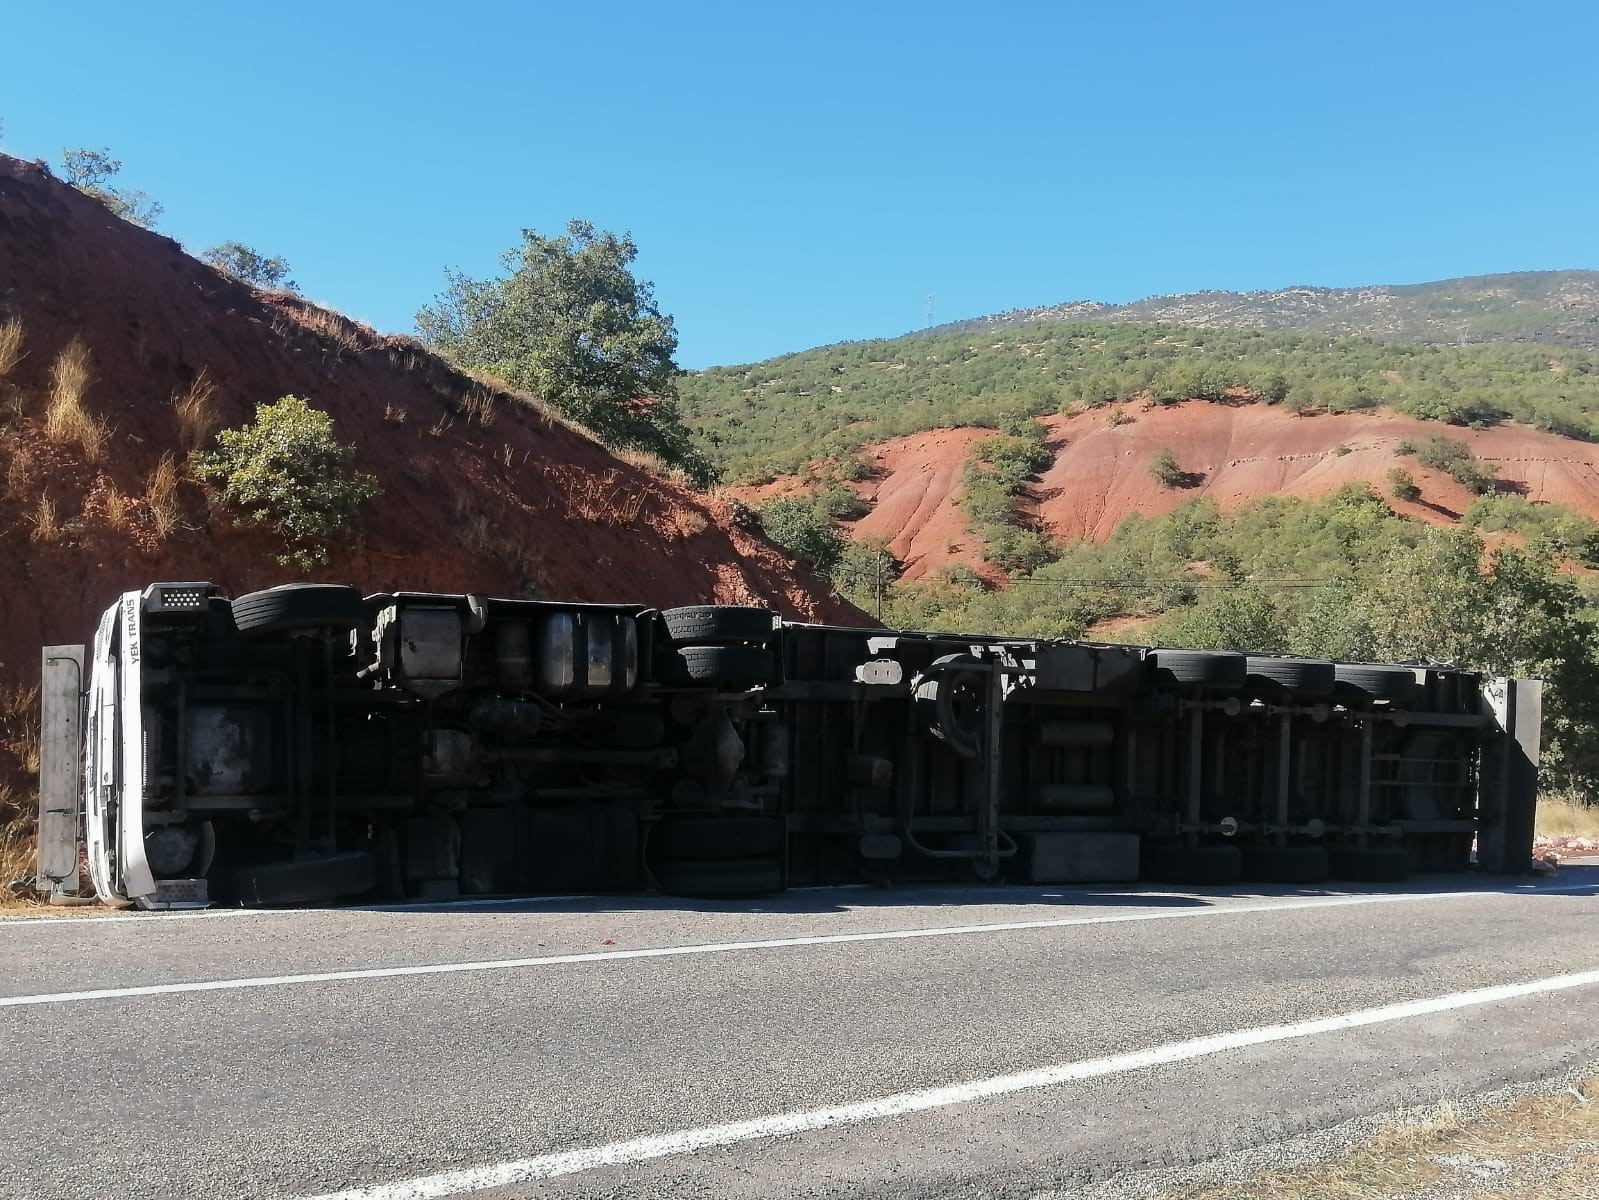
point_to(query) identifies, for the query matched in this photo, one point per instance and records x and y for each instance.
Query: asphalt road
(993, 1042)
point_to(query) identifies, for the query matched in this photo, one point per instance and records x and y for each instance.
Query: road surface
(845, 1042)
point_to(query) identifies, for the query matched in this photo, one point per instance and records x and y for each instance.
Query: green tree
(286, 471)
(249, 265)
(571, 324)
(805, 531)
(91, 172)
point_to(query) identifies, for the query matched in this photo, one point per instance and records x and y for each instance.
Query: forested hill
(1560, 308)
(773, 418)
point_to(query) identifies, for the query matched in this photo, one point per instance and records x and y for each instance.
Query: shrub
(249, 265)
(1454, 458)
(1165, 468)
(1402, 485)
(285, 472)
(805, 531)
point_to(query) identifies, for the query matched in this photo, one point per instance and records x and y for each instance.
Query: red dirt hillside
(1239, 451)
(482, 490)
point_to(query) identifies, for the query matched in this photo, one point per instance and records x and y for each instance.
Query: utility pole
(932, 307)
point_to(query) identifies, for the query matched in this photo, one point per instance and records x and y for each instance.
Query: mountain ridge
(1559, 308)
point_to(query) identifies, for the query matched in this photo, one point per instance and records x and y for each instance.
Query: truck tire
(718, 625)
(1285, 864)
(1363, 681)
(949, 703)
(306, 880)
(1189, 864)
(719, 879)
(1303, 676)
(1369, 864)
(700, 837)
(735, 667)
(298, 606)
(1199, 668)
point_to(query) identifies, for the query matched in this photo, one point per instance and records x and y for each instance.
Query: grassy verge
(1564, 816)
(1532, 1148)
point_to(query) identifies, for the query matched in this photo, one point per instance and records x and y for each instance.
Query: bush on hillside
(286, 472)
(1402, 485)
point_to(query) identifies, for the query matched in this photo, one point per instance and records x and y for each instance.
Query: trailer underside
(308, 744)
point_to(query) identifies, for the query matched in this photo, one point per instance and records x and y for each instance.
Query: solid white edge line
(689, 1141)
(822, 939)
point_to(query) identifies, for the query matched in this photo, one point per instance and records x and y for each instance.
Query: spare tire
(714, 879)
(1199, 668)
(1306, 676)
(950, 700)
(295, 606)
(739, 667)
(1369, 682)
(718, 625)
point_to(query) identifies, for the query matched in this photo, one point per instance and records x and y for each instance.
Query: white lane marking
(688, 1141)
(822, 939)
(92, 919)
(213, 913)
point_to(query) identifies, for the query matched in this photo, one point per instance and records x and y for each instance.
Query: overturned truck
(310, 744)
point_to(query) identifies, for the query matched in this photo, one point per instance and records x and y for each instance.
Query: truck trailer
(310, 744)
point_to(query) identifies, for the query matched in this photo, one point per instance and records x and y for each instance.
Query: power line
(1183, 583)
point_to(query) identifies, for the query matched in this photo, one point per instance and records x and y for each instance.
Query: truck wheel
(718, 625)
(1360, 681)
(737, 667)
(1285, 864)
(1199, 668)
(307, 880)
(1189, 864)
(298, 606)
(715, 880)
(949, 703)
(1369, 864)
(684, 838)
(1305, 676)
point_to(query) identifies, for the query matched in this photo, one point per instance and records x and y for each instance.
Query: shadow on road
(1080, 898)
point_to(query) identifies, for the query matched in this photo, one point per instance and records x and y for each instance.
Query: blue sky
(802, 174)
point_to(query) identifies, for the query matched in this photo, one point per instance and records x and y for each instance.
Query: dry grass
(11, 352)
(46, 521)
(19, 726)
(488, 537)
(119, 508)
(66, 420)
(1537, 1147)
(344, 335)
(652, 464)
(479, 405)
(16, 851)
(161, 495)
(196, 411)
(1566, 816)
(394, 414)
(606, 498)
